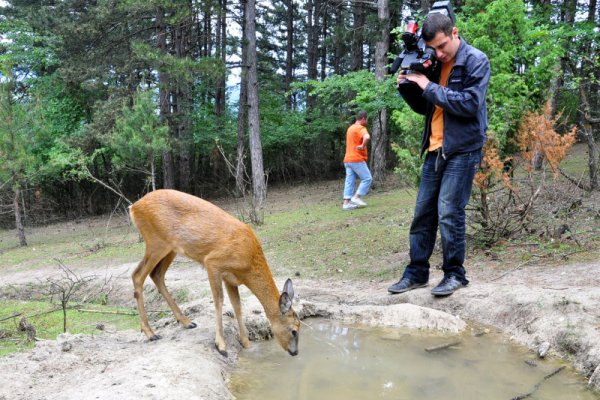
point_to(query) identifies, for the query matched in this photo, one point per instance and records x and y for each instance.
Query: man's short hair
(435, 23)
(361, 114)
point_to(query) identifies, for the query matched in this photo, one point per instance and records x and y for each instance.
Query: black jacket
(463, 101)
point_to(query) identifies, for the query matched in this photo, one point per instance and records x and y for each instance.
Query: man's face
(363, 121)
(445, 47)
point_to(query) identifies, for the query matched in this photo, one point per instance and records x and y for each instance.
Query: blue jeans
(444, 192)
(360, 170)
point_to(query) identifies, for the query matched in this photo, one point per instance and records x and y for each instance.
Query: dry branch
(537, 386)
(442, 346)
(108, 312)
(12, 316)
(509, 271)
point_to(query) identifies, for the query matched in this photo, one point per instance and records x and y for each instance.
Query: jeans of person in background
(360, 170)
(444, 192)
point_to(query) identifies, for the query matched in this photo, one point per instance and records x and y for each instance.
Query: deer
(172, 222)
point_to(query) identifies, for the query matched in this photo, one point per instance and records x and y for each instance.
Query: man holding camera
(452, 98)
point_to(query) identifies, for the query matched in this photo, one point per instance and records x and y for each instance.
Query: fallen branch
(12, 316)
(577, 182)
(442, 346)
(109, 312)
(116, 312)
(537, 386)
(43, 313)
(512, 270)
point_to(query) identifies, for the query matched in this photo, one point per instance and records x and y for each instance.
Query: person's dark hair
(361, 114)
(435, 23)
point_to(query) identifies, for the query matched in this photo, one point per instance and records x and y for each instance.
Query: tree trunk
(313, 45)
(357, 40)
(323, 47)
(588, 133)
(152, 172)
(183, 104)
(164, 98)
(240, 168)
(338, 40)
(259, 187)
(221, 44)
(379, 144)
(592, 11)
(289, 52)
(592, 158)
(18, 219)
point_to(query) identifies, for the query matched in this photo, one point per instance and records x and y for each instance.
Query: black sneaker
(404, 285)
(447, 286)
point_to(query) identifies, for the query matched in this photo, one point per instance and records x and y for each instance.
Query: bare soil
(535, 304)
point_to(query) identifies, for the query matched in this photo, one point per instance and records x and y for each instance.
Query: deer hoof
(191, 325)
(222, 352)
(154, 337)
(245, 343)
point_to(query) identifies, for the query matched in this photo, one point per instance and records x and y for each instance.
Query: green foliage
(344, 95)
(74, 64)
(15, 131)
(523, 57)
(138, 137)
(31, 53)
(205, 71)
(407, 144)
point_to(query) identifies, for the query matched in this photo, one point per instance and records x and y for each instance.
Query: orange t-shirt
(437, 122)
(354, 137)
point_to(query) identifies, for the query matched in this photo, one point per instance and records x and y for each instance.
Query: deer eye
(294, 333)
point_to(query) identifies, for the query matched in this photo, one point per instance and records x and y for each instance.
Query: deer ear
(289, 288)
(285, 303)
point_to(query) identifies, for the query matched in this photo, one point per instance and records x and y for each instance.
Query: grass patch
(322, 240)
(84, 242)
(48, 322)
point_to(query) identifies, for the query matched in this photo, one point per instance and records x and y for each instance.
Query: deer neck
(263, 286)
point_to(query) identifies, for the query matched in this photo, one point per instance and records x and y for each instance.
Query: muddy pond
(338, 361)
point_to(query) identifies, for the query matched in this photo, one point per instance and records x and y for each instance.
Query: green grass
(48, 322)
(322, 240)
(68, 241)
(576, 161)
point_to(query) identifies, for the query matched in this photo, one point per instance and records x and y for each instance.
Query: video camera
(416, 56)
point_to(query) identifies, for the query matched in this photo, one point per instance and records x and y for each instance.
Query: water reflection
(348, 362)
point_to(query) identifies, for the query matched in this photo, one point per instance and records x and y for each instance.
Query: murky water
(347, 362)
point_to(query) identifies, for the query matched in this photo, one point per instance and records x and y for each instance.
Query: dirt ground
(534, 304)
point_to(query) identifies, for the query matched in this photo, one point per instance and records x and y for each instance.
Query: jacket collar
(461, 54)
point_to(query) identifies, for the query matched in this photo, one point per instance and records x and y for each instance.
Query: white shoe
(358, 202)
(349, 206)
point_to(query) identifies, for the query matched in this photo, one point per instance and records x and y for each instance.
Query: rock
(594, 381)
(66, 346)
(543, 349)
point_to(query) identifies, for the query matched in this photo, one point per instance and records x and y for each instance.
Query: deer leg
(234, 298)
(216, 286)
(138, 276)
(158, 276)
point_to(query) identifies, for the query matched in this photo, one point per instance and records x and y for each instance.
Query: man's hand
(415, 77)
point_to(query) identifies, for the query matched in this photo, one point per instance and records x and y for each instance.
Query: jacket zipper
(444, 114)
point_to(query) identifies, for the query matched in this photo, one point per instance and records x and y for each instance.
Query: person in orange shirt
(355, 162)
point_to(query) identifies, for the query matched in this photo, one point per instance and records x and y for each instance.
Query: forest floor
(534, 298)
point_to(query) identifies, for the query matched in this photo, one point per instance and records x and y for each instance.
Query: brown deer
(172, 223)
